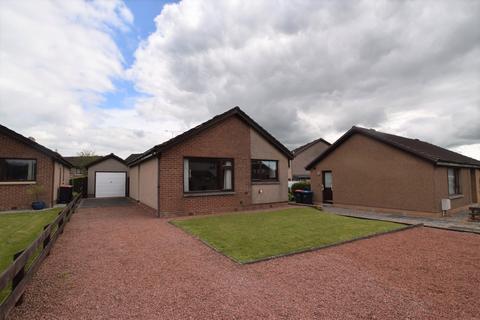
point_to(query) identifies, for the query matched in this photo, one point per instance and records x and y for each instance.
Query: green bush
(300, 186)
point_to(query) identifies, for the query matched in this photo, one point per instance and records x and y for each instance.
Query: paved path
(106, 202)
(123, 263)
(456, 223)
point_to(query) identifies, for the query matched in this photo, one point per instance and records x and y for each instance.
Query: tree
(86, 153)
(86, 156)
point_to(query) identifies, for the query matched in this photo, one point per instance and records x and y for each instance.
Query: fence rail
(17, 274)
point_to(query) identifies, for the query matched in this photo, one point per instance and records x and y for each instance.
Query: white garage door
(110, 184)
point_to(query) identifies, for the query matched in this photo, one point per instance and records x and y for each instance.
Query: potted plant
(36, 190)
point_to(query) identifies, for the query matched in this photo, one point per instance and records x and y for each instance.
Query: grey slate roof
(427, 151)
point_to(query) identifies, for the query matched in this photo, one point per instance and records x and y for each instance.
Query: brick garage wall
(228, 139)
(15, 195)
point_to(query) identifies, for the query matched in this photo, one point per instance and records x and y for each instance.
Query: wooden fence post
(47, 239)
(18, 278)
(60, 224)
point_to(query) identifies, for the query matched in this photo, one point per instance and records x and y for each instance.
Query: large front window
(453, 181)
(264, 170)
(207, 174)
(17, 170)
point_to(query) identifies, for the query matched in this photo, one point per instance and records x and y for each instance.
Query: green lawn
(18, 230)
(248, 237)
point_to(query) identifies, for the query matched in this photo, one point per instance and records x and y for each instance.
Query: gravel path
(122, 263)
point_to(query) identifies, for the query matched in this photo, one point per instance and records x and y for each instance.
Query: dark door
(327, 186)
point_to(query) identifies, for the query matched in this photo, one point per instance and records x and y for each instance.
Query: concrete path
(456, 223)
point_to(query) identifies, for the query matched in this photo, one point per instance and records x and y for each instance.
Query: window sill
(455, 196)
(207, 194)
(265, 182)
(17, 182)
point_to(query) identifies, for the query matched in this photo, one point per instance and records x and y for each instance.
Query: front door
(327, 186)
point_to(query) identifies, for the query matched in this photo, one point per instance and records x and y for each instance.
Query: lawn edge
(203, 241)
(407, 227)
(291, 253)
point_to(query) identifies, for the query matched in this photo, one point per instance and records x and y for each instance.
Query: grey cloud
(294, 64)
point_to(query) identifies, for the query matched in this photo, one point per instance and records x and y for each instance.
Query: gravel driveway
(122, 263)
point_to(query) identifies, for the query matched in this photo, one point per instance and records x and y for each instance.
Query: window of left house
(18, 169)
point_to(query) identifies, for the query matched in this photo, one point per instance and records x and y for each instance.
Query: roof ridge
(209, 123)
(307, 145)
(422, 149)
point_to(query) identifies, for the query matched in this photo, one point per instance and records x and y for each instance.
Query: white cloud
(57, 58)
(305, 69)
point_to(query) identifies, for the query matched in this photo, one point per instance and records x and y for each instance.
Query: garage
(108, 177)
(110, 184)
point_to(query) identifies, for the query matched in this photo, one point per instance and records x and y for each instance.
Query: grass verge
(17, 231)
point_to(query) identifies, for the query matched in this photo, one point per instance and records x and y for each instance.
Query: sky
(122, 76)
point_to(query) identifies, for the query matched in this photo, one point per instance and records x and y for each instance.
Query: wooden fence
(26, 262)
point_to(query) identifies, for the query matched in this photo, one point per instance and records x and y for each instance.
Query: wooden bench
(474, 211)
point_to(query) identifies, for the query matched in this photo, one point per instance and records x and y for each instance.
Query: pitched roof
(308, 145)
(132, 157)
(52, 154)
(427, 151)
(81, 161)
(208, 124)
(108, 156)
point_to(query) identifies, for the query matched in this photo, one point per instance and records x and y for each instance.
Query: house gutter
(450, 164)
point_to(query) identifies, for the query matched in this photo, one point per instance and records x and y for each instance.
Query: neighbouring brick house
(367, 169)
(227, 163)
(24, 163)
(303, 155)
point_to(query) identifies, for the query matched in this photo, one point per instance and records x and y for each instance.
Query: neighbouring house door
(327, 186)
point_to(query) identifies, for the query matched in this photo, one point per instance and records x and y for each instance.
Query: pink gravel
(122, 263)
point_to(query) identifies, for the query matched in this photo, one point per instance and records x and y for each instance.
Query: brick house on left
(24, 163)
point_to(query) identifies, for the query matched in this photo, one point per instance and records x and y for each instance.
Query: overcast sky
(120, 77)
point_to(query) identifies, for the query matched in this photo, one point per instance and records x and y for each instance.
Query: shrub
(35, 190)
(302, 185)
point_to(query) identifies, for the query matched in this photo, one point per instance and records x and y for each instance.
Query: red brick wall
(229, 139)
(14, 196)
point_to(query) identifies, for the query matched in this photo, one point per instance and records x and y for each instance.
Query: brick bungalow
(303, 155)
(225, 164)
(367, 169)
(24, 163)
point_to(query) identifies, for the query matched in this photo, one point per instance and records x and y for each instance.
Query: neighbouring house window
(453, 181)
(264, 170)
(18, 169)
(207, 174)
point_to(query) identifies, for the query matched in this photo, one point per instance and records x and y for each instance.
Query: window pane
(451, 181)
(203, 175)
(264, 169)
(328, 179)
(17, 170)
